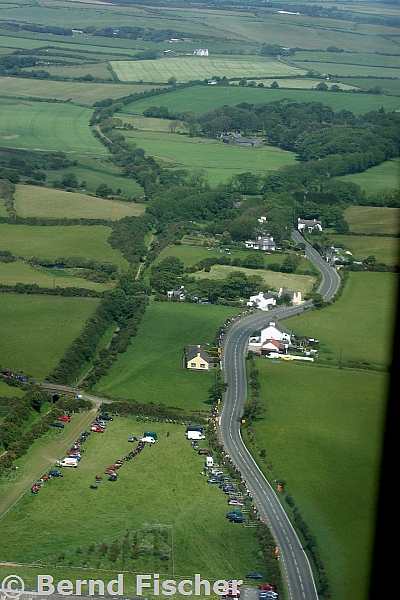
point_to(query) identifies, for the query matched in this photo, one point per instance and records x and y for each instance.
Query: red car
(65, 418)
(266, 586)
(97, 429)
(206, 452)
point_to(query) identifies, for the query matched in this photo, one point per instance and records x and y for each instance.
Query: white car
(148, 439)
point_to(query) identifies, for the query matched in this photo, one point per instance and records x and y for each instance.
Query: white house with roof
(263, 301)
(295, 297)
(274, 331)
(309, 224)
(262, 243)
(201, 52)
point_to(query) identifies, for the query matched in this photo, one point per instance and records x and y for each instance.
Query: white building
(309, 224)
(201, 52)
(262, 243)
(263, 301)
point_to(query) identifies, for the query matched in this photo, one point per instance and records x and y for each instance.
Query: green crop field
(385, 249)
(203, 98)
(195, 67)
(82, 93)
(17, 272)
(8, 391)
(37, 330)
(96, 175)
(382, 177)
(55, 242)
(344, 329)
(348, 58)
(197, 521)
(31, 201)
(324, 437)
(389, 86)
(152, 368)
(272, 280)
(215, 156)
(47, 126)
(373, 219)
(349, 70)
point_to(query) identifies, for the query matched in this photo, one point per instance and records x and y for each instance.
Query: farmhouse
(263, 300)
(295, 297)
(201, 52)
(274, 331)
(180, 294)
(273, 346)
(262, 243)
(309, 224)
(197, 359)
(237, 139)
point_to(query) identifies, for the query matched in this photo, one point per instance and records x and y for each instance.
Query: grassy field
(203, 98)
(382, 177)
(16, 272)
(32, 201)
(8, 391)
(37, 330)
(222, 548)
(151, 369)
(211, 155)
(368, 301)
(96, 175)
(385, 249)
(196, 67)
(288, 281)
(55, 242)
(373, 219)
(348, 58)
(324, 437)
(349, 70)
(46, 126)
(79, 92)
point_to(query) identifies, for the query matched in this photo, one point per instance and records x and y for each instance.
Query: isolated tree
(274, 85)
(103, 190)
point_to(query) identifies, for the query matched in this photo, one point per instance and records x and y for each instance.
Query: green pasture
(97, 70)
(389, 86)
(17, 272)
(3, 211)
(188, 152)
(47, 126)
(373, 219)
(8, 391)
(203, 98)
(323, 434)
(376, 179)
(37, 330)
(385, 249)
(349, 70)
(172, 491)
(300, 84)
(271, 279)
(79, 92)
(152, 367)
(348, 58)
(32, 201)
(58, 241)
(96, 175)
(196, 67)
(344, 329)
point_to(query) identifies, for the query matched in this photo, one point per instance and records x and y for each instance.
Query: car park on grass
(235, 502)
(213, 480)
(132, 439)
(97, 429)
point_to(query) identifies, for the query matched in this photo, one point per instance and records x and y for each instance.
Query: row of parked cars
(7, 373)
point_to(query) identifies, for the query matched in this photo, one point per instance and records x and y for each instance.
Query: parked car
(113, 477)
(58, 424)
(102, 424)
(132, 439)
(254, 576)
(235, 502)
(64, 418)
(266, 586)
(213, 480)
(148, 439)
(269, 595)
(237, 519)
(97, 429)
(55, 473)
(106, 417)
(206, 452)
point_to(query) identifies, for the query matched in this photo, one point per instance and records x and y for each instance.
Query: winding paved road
(296, 568)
